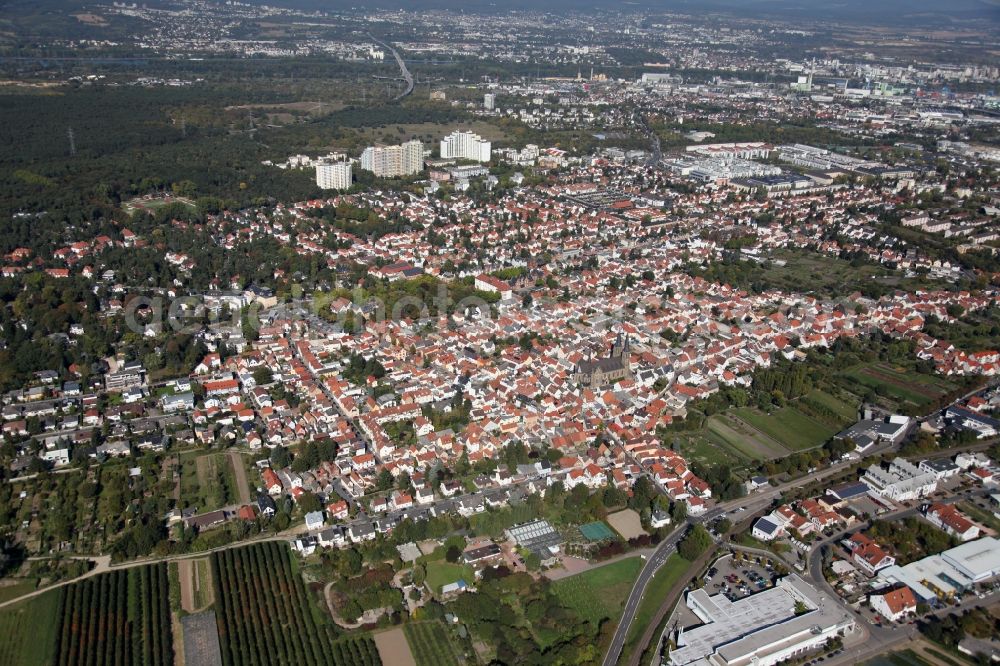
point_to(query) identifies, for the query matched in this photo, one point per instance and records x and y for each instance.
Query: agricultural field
(16, 587)
(208, 481)
(847, 412)
(740, 437)
(899, 385)
(265, 615)
(599, 593)
(117, 617)
(787, 426)
(29, 630)
(196, 584)
(429, 644)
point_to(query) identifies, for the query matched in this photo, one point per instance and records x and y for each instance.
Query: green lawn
(846, 411)
(675, 568)
(28, 630)
(790, 427)
(601, 592)
(441, 573)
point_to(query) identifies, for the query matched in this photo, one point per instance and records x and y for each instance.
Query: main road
(402, 68)
(750, 504)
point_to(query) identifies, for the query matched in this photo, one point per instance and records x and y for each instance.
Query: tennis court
(596, 531)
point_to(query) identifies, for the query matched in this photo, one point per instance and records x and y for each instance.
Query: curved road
(750, 504)
(402, 68)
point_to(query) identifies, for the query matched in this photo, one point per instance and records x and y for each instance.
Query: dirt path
(185, 571)
(393, 648)
(240, 472)
(204, 469)
(172, 467)
(177, 633)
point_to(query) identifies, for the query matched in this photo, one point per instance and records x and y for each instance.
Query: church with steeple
(595, 373)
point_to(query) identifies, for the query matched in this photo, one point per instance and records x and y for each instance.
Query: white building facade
(465, 146)
(334, 176)
(405, 159)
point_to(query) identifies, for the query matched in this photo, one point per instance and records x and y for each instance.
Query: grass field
(916, 388)
(788, 426)
(17, 587)
(207, 481)
(29, 630)
(599, 593)
(155, 203)
(429, 644)
(739, 436)
(668, 575)
(441, 573)
(846, 411)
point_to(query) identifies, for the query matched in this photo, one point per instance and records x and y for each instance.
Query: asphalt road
(402, 69)
(653, 563)
(750, 504)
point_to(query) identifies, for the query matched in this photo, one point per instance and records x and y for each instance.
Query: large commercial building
(465, 146)
(901, 481)
(718, 169)
(762, 629)
(334, 175)
(822, 159)
(950, 573)
(392, 161)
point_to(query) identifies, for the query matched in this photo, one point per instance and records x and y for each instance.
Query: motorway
(402, 69)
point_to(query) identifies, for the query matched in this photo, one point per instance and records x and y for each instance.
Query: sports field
(596, 531)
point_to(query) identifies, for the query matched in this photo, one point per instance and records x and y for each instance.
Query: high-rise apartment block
(391, 161)
(333, 175)
(466, 146)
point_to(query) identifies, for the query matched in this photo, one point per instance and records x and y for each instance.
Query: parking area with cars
(736, 575)
(740, 574)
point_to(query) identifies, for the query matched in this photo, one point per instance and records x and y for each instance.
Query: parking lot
(720, 577)
(740, 575)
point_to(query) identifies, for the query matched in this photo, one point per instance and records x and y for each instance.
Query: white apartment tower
(333, 175)
(466, 146)
(489, 101)
(391, 161)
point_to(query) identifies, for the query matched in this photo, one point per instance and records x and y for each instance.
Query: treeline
(789, 379)
(122, 617)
